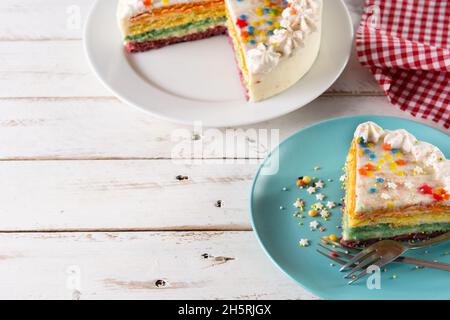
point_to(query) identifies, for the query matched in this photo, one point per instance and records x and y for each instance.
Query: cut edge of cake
(397, 187)
(148, 25)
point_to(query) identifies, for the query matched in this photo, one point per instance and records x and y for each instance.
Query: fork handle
(429, 242)
(424, 263)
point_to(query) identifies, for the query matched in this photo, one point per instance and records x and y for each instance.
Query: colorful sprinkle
(425, 189)
(241, 23)
(401, 162)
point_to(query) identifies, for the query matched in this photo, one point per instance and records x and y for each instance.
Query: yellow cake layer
(414, 215)
(350, 197)
(414, 219)
(177, 18)
(232, 32)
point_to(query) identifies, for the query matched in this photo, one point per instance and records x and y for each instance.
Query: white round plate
(198, 81)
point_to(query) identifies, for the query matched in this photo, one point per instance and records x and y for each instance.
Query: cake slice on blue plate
(396, 187)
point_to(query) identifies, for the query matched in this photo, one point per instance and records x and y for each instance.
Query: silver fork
(382, 253)
(343, 257)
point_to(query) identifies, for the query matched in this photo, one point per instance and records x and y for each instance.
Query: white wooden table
(90, 206)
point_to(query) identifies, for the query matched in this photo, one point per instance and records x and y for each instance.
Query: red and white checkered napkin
(406, 45)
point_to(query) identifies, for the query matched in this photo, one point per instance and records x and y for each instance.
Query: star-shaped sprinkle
(385, 196)
(331, 204)
(343, 178)
(409, 185)
(392, 185)
(311, 190)
(324, 213)
(317, 205)
(418, 170)
(320, 196)
(299, 203)
(319, 184)
(303, 242)
(314, 225)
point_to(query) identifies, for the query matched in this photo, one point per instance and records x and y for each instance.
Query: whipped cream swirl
(369, 131)
(400, 139)
(286, 40)
(298, 20)
(263, 58)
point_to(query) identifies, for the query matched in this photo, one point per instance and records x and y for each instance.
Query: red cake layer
(404, 237)
(134, 47)
(241, 76)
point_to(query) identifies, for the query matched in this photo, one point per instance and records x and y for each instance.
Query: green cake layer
(389, 231)
(180, 30)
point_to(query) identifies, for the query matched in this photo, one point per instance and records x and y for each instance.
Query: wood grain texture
(123, 195)
(42, 55)
(158, 265)
(40, 129)
(115, 178)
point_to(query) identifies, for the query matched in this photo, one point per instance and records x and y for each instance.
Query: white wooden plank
(128, 266)
(106, 128)
(46, 69)
(42, 19)
(123, 195)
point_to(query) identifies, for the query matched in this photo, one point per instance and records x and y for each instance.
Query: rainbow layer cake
(275, 41)
(396, 187)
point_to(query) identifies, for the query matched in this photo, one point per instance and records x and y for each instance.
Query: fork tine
(359, 257)
(339, 253)
(364, 273)
(337, 244)
(335, 259)
(362, 265)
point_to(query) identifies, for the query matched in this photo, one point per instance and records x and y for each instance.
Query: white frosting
(443, 171)
(400, 139)
(369, 131)
(286, 40)
(300, 19)
(129, 8)
(427, 153)
(263, 58)
(422, 152)
(301, 15)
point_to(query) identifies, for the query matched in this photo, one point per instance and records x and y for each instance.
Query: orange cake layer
(175, 8)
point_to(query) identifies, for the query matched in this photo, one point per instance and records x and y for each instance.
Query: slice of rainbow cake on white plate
(275, 41)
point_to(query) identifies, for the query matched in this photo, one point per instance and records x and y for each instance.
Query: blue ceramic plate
(326, 144)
